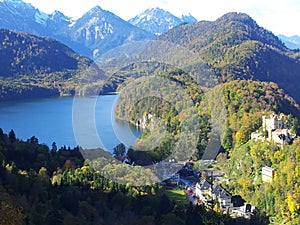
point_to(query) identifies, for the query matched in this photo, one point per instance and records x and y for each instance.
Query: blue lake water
(54, 119)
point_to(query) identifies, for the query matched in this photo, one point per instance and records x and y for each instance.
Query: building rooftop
(204, 185)
(220, 191)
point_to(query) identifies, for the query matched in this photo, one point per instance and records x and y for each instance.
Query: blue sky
(281, 17)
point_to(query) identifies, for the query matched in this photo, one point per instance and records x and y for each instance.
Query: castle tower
(272, 123)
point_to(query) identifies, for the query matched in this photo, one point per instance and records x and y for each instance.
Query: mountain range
(234, 47)
(96, 32)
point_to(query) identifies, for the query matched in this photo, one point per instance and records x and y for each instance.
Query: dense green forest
(39, 185)
(237, 107)
(176, 106)
(33, 67)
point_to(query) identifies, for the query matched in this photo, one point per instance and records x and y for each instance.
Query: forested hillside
(242, 161)
(278, 199)
(246, 102)
(39, 185)
(236, 47)
(34, 66)
(235, 107)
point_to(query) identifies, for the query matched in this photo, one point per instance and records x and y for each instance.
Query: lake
(54, 119)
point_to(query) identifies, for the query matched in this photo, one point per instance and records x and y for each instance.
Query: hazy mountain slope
(188, 18)
(292, 42)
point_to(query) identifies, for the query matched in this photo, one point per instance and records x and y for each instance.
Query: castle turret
(272, 123)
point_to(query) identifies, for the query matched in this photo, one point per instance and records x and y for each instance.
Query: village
(208, 192)
(205, 187)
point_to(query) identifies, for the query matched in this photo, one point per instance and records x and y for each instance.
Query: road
(189, 184)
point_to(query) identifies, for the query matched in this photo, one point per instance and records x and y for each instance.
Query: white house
(206, 193)
(223, 196)
(203, 191)
(273, 122)
(267, 174)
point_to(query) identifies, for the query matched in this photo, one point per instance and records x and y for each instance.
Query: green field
(178, 196)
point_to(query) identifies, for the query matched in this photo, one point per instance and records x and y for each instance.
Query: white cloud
(277, 16)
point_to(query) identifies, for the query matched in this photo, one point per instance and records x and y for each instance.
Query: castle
(277, 130)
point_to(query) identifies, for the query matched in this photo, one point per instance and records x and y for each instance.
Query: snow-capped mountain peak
(158, 21)
(13, 2)
(17, 4)
(95, 10)
(103, 30)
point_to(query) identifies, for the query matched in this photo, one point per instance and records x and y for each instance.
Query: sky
(278, 16)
